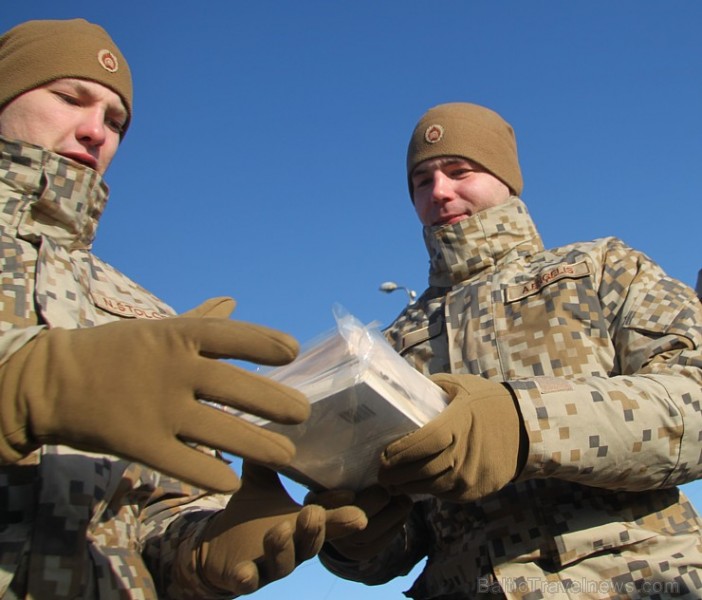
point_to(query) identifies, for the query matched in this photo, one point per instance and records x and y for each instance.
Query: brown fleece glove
(470, 450)
(263, 534)
(131, 388)
(386, 516)
(221, 307)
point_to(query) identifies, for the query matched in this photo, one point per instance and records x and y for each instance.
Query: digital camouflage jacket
(72, 524)
(603, 353)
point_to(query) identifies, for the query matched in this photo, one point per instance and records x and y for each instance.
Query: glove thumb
(221, 307)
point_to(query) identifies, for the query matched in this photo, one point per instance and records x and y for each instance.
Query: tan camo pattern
(604, 354)
(78, 525)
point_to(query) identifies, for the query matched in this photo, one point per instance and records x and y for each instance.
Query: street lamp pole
(390, 286)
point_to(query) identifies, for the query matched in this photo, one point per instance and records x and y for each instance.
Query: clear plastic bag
(363, 396)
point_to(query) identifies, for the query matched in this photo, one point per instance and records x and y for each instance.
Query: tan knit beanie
(37, 52)
(469, 131)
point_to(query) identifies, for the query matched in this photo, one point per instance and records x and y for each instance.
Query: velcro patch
(549, 385)
(556, 273)
(125, 309)
(421, 335)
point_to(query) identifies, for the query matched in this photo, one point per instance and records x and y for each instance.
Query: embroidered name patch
(125, 309)
(547, 277)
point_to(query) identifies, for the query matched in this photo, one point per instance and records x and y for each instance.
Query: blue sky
(266, 155)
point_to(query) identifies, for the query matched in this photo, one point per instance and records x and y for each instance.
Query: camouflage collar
(460, 250)
(45, 194)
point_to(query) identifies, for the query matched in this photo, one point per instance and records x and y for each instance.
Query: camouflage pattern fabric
(75, 524)
(603, 352)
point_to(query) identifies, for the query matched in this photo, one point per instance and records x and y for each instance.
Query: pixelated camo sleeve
(639, 427)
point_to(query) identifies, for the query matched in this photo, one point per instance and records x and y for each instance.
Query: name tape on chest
(126, 309)
(532, 286)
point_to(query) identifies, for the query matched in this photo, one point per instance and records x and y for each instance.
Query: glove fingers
(426, 468)
(467, 386)
(251, 393)
(214, 307)
(372, 500)
(390, 518)
(364, 549)
(191, 466)
(380, 531)
(344, 521)
(429, 440)
(438, 485)
(245, 341)
(278, 552)
(244, 578)
(217, 429)
(348, 512)
(309, 532)
(451, 384)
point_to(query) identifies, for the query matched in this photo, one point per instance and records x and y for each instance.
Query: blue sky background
(266, 155)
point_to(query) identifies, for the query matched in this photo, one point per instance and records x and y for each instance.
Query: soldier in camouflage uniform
(575, 384)
(103, 494)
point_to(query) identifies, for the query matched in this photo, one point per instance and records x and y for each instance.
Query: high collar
(460, 250)
(46, 194)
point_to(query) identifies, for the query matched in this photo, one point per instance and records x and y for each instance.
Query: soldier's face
(449, 189)
(78, 119)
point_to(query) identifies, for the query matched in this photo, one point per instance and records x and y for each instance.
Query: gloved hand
(471, 449)
(221, 307)
(386, 516)
(263, 534)
(130, 388)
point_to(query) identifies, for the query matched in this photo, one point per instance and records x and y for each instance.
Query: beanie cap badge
(108, 60)
(433, 133)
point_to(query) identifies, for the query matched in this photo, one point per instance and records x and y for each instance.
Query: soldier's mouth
(83, 158)
(451, 219)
